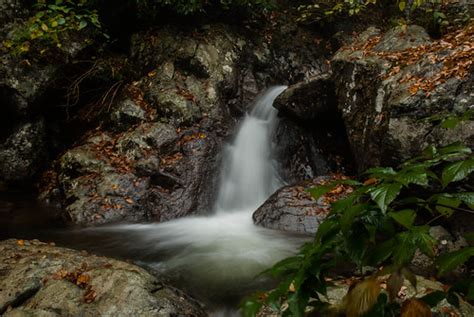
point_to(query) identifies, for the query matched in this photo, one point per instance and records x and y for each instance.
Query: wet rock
(299, 155)
(43, 280)
(148, 173)
(306, 100)
(127, 113)
(293, 209)
(154, 136)
(184, 184)
(23, 153)
(383, 111)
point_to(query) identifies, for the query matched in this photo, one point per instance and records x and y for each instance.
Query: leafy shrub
(382, 223)
(322, 11)
(51, 22)
(187, 7)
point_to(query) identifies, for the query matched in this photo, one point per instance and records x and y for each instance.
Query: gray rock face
(147, 173)
(23, 153)
(305, 100)
(293, 209)
(38, 279)
(158, 159)
(381, 110)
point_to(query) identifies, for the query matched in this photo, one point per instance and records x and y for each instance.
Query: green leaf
(356, 246)
(424, 241)
(415, 176)
(470, 292)
(469, 236)
(381, 252)
(82, 24)
(380, 172)
(350, 214)
(325, 228)
(404, 217)
(445, 204)
(251, 306)
(457, 171)
(402, 5)
(286, 265)
(433, 298)
(466, 197)
(450, 261)
(384, 194)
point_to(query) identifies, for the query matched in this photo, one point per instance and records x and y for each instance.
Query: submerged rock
(39, 279)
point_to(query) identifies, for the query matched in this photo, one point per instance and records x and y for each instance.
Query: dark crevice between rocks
(21, 298)
(314, 147)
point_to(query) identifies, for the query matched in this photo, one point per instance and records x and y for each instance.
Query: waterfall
(219, 255)
(248, 175)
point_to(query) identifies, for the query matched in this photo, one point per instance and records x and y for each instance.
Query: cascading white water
(248, 175)
(225, 250)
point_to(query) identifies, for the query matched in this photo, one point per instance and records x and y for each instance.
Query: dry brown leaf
(415, 308)
(362, 297)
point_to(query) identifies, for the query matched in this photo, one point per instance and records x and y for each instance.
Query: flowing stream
(217, 257)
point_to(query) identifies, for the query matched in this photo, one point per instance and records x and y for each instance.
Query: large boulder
(23, 152)
(39, 279)
(387, 84)
(307, 100)
(293, 209)
(25, 82)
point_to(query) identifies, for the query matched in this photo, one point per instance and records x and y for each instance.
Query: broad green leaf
(455, 148)
(424, 241)
(297, 303)
(417, 176)
(466, 197)
(404, 217)
(381, 252)
(470, 292)
(402, 5)
(469, 236)
(356, 246)
(325, 228)
(445, 204)
(453, 299)
(251, 306)
(384, 194)
(286, 265)
(350, 214)
(457, 171)
(450, 261)
(433, 298)
(82, 24)
(381, 172)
